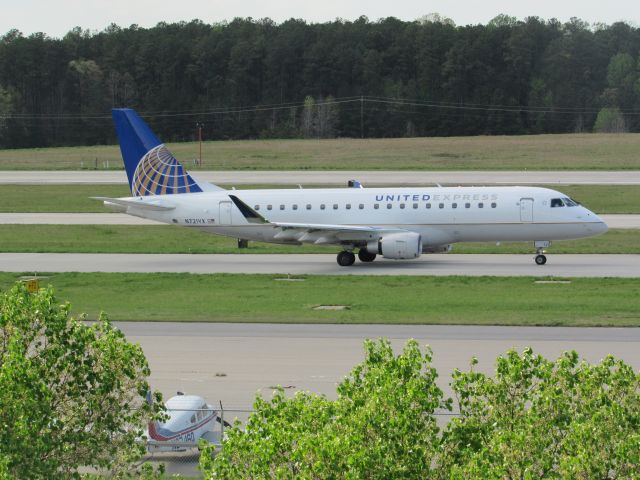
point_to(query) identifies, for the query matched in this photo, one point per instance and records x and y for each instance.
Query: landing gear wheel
(346, 259)
(541, 259)
(366, 256)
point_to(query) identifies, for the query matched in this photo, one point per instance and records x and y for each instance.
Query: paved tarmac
(323, 264)
(292, 177)
(230, 363)
(254, 357)
(613, 221)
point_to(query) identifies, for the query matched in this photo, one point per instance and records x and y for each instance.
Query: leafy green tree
(381, 426)
(541, 419)
(71, 394)
(610, 120)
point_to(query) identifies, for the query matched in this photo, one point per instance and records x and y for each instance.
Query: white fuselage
(441, 215)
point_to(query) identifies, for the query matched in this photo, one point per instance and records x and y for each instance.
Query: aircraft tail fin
(151, 168)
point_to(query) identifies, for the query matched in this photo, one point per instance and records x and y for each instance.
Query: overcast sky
(56, 17)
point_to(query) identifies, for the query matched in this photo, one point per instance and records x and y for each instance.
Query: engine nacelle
(436, 248)
(397, 246)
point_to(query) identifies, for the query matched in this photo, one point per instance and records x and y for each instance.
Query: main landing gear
(346, 258)
(541, 259)
(366, 255)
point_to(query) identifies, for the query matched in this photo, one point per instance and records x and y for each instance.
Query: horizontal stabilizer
(155, 204)
(206, 186)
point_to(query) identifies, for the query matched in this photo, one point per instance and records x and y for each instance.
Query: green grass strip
(517, 152)
(75, 198)
(391, 300)
(174, 239)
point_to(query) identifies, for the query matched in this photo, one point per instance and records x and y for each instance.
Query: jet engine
(397, 246)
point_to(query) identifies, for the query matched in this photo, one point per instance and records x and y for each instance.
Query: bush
(71, 395)
(534, 419)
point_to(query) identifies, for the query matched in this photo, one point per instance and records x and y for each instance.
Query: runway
(294, 177)
(255, 357)
(322, 264)
(613, 221)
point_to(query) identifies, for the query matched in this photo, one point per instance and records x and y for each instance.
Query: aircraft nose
(596, 224)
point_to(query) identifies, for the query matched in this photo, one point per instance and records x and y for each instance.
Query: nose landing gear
(540, 258)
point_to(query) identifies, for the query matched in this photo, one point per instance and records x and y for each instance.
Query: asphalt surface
(613, 221)
(290, 177)
(231, 362)
(322, 264)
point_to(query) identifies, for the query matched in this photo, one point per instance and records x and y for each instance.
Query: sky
(56, 17)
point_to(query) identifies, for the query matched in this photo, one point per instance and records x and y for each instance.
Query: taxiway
(323, 264)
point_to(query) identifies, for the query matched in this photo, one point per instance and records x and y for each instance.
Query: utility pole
(361, 116)
(199, 126)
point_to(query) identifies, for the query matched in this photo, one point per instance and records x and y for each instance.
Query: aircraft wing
(312, 232)
(328, 234)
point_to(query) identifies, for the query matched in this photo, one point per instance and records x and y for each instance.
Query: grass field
(173, 239)
(533, 152)
(393, 299)
(75, 198)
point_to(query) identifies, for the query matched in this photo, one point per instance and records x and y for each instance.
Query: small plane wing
(157, 205)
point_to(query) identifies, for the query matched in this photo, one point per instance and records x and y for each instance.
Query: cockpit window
(557, 202)
(569, 202)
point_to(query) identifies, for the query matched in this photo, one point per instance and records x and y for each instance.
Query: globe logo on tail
(159, 173)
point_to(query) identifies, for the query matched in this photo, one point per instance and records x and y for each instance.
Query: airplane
(396, 223)
(190, 419)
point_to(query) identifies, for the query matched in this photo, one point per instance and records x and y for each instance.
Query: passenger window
(193, 418)
(415, 206)
(295, 207)
(467, 205)
(322, 207)
(256, 207)
(281, 207)
(441, 205)
(348, 206)
(376, 206)
(481, 205)
(269, 207)
(556, 202)
(454, 205)
(402, 206)
(361, 206)
(389, 206)
(428, 205)
(308, 206)
(335, 206)
(493, 205)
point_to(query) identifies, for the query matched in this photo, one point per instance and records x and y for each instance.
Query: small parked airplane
(190, 420)
(397, 223)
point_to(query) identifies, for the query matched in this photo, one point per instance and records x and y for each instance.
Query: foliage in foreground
(534, 418)
(71, 395)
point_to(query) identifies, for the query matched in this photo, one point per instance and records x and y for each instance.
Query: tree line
(259, 79)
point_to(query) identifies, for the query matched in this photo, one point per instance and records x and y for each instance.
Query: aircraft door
(224, 213)
(526, 209)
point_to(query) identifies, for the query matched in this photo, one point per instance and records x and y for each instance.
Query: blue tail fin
(151, 169)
